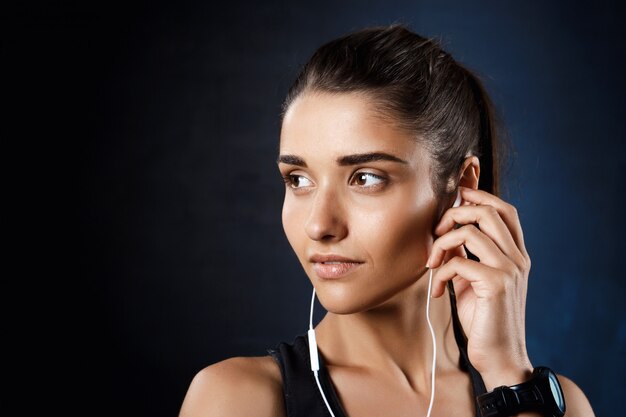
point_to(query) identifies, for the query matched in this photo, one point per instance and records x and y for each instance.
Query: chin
(342, 305)
(342, 298)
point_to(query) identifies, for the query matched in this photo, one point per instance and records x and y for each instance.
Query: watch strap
(541, 393)
(509, 401)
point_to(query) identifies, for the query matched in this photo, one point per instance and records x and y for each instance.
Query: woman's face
(356, 188)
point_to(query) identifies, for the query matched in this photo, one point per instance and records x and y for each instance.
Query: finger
(458, 251)
(507, 212)
(459, 283)
(460, 286)
(476, 242)
(490, 222)
(485, 280)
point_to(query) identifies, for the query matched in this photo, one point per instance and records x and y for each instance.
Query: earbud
(458, 200)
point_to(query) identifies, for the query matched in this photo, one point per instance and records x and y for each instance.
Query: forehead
(340, 124)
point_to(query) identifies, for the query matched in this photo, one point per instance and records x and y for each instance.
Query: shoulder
(576, 403)
(236, 387)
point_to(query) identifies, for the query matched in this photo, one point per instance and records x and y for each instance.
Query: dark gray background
(150, 138)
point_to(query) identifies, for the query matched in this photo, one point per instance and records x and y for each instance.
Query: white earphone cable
(311, 315)
(315, 361)
(315, 366)
(432, 333)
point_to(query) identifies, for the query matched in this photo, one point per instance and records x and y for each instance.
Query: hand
(491, 293)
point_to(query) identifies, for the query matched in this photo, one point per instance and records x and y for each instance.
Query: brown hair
(423, 89)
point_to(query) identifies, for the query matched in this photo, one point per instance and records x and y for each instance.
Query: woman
(382, 133)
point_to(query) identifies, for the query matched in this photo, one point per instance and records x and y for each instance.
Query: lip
(333, 266)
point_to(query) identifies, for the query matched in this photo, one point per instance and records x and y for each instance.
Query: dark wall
(155, 131)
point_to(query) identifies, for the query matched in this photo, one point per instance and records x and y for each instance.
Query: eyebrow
(291, 160)
(368, 157)
(346, 160)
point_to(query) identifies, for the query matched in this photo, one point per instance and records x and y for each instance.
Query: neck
(393, 336)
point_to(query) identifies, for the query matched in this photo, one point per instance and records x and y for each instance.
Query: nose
(326, 221)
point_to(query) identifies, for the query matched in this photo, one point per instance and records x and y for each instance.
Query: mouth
(333, 266)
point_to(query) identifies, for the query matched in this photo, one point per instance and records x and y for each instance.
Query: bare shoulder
(576, 403)
(250, 386)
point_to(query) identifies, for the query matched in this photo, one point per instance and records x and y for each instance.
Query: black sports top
(302, 397)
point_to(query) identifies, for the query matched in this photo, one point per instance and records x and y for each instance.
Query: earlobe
(470, 172)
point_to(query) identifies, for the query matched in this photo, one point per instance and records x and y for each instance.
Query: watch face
(555, 387)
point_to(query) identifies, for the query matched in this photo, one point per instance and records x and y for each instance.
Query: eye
(368, 179)
(297, 181)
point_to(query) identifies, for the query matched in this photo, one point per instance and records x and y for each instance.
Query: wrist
(506, 376)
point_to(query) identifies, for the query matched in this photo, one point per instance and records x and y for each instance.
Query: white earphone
(457, 201)
(315, 364)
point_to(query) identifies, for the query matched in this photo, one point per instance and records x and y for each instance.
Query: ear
(470, 172)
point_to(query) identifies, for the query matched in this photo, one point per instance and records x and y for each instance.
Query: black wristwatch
(541, 393)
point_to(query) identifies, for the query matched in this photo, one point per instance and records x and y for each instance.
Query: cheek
(292, 223)
(399, 240)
